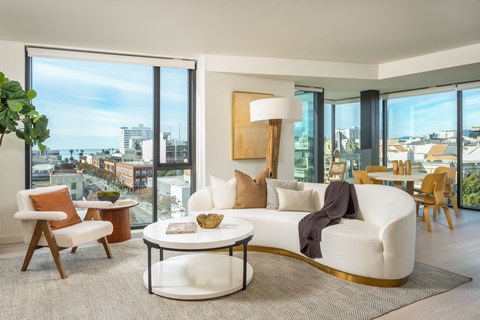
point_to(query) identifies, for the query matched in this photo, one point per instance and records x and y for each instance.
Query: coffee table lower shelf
(198, 276)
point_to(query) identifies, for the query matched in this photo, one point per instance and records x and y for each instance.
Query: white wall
(216, 131)
(12, 152)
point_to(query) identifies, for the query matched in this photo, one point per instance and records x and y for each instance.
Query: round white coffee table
(200, 275)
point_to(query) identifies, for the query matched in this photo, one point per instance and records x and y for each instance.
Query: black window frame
(190, 165)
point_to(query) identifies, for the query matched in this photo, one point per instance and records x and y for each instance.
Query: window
(347, 136)
(471, 149)
(102, 128)
(304, 140)
(422, 129)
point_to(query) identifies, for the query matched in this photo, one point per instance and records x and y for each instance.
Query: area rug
(282, 288)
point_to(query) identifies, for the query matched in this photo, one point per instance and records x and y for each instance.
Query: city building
(304, 165)
(133, 175)
(110, 165)
(126, 134)
(73, 180)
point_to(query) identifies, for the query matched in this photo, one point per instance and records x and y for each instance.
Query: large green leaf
(4, 118)
(15, 105)
(2, 79)
(12, 87)
(41, 146)
(14, 116)
(31, 94)
(41, 127)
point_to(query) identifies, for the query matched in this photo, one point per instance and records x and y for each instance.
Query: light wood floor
(457, 251)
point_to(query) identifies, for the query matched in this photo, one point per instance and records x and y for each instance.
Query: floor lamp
(273, 111)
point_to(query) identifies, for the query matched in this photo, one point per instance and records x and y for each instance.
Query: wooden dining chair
(432, 196)
(376, 169)
(361, 177)
(448, 192)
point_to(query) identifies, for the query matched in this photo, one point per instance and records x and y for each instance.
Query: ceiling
(369, 31)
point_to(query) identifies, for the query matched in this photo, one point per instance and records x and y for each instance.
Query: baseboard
(11, 239)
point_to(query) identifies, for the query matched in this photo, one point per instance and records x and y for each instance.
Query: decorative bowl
(209, 221)
(108, 196)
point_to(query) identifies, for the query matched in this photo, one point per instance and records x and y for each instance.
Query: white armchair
(38, 233)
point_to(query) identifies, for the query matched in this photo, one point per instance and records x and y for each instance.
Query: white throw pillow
(292, 200)
(223, 193)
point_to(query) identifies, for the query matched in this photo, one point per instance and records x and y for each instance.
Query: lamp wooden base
(273, 146)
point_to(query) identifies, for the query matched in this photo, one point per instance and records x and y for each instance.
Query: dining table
(398, 179)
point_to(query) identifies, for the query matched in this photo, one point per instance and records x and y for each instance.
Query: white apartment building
(126, 134)
(74, 181)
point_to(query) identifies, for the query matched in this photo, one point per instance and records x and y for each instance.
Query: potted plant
(16, 109)
(108, 196)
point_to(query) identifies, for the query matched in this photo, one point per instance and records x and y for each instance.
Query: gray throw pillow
(272, 195)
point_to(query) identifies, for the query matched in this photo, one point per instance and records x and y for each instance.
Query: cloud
(84, 121)
(47, 70)
(91, 98)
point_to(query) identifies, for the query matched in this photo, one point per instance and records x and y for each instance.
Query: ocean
(66, 152)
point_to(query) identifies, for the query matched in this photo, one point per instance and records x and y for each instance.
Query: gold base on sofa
(336, 273)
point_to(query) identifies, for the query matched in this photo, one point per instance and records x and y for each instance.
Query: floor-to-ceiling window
(347, 136)
(328, 145)
(304, 140)
(174, 170)
(102, 128)
(471, 149)
(422, 129)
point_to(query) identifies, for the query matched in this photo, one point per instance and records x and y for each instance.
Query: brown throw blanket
(340, 201)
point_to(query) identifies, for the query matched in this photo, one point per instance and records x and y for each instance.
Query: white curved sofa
(377, 248)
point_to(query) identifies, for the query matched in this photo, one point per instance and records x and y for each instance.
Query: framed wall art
(249, 140)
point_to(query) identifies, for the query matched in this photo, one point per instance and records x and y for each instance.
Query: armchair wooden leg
(417, 204)
(104, 241)
(426, 217)
(448, 216)
(453, 200)
(47, 231)
(37, 233)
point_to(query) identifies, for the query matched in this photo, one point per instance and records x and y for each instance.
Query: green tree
(471, 191)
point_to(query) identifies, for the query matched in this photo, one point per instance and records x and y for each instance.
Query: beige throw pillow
(272, 195)
(292, 200)
(251, 193)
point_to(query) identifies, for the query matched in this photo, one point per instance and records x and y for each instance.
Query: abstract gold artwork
(249, 140)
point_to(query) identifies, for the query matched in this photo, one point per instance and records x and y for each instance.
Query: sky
(409, 116)
(87, 102)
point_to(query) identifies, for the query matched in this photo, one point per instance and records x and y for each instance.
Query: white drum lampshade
(285, 109)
